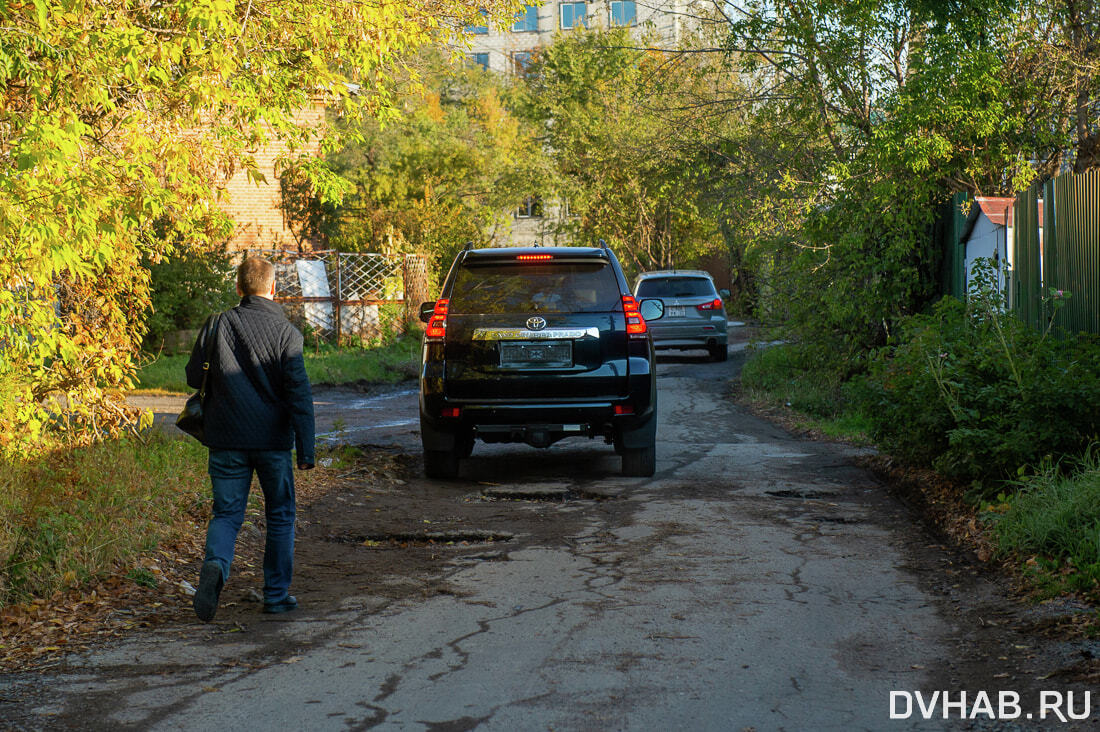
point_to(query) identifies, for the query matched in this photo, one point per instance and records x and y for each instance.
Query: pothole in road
(544, 494)
(834, 520)
(423, 538)
(802, 494)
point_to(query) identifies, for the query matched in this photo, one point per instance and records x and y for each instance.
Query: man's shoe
(210, 588)
(285, 605)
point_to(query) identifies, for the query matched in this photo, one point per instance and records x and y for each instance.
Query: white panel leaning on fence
(339, 295)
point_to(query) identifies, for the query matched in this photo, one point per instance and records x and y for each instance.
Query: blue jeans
(231, 477)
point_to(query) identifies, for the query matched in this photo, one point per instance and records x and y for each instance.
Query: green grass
(392, 362)
(1052, 524)
(164, 374)
(325, 364)
(783, 376)
(78, 513)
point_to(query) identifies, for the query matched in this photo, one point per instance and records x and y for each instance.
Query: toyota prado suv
(535, 345)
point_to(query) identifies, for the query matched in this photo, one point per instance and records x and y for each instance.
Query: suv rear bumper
(536, 423)
(629, 419)
(630, 431)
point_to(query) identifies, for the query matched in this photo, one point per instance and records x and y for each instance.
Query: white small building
(988, 235)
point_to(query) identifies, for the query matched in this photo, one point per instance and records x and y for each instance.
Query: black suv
(534, 345)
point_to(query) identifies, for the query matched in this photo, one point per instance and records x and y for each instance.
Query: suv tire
(640, 462)
(441, 463)
(719, 352)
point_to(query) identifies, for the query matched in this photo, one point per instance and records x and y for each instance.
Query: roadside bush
(1053, 523)
(809, 381)
(185, 288)
(795, 375)
(979, 396)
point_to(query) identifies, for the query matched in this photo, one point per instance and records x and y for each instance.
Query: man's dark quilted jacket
(258, 396)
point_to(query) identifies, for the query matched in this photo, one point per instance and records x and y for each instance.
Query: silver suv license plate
(540, 354)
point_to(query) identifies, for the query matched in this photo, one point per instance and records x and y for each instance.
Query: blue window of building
(480, 30)
(527, 20)
(481, 59)
(572, 15)
(521, 62)
(624, 12)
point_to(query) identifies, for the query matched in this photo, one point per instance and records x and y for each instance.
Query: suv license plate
(538, 354)
(677, 311)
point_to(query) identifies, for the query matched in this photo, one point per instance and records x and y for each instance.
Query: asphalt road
(758, 582)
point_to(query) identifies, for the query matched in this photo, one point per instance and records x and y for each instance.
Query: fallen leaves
(39, 633)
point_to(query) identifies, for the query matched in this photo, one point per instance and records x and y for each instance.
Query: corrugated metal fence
(1027, 275)
(948, 233)
(1057, 247)
(340, 295)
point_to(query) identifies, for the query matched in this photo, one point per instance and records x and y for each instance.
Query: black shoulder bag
(190, 419)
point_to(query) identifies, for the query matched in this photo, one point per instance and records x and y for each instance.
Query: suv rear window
(675, 287)
(559, 287)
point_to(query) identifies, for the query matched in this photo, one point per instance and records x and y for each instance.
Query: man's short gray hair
(255, 275)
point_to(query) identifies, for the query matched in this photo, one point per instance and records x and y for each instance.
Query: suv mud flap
(643, 436)
(434, 439)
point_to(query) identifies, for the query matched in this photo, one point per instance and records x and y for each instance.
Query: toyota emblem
(536, 323)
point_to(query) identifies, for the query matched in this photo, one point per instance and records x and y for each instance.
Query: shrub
(809, 381)
(978, 395)
(186, 288)
(796, 375)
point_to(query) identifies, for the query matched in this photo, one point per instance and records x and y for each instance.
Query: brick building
(255, 206)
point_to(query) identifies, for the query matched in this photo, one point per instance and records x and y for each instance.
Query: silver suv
(694, 311)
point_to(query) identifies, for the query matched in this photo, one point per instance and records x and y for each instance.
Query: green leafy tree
(872, 113)
(632, 158)
(447, 172)
(185, 288)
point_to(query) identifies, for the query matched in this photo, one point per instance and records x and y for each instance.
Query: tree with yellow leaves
(117, 119)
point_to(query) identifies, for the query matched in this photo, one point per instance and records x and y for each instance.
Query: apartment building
(510, 50)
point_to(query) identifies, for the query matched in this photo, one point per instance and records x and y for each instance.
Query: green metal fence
(948, 234)
(1027, 279)
(1073, 224)
(1061, 254)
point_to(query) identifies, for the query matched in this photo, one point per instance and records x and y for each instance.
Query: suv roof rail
(603, 244)
(469, 246)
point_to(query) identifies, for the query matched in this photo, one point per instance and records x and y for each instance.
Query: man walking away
(258, 406)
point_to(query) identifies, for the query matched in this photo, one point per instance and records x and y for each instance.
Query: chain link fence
(340, 296)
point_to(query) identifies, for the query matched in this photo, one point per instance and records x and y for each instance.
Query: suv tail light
(437, 324)
(535, 257)
(635, 323)
(715, 304)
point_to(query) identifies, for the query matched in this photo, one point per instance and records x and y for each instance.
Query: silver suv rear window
(676, 287)
(524, 287)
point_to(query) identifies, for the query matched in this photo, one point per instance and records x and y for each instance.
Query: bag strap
(211, 337)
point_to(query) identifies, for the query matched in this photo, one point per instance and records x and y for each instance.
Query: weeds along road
(758, 581)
